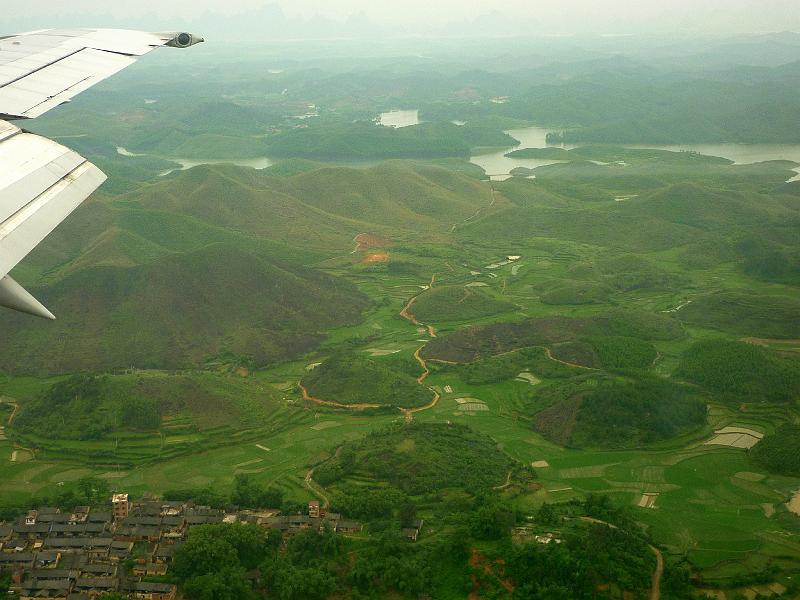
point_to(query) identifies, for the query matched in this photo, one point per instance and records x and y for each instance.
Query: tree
(547, 515)
(292, 583)
(249, 493)
(407, 513)
(203, 554)
(491, 520)
(227, 584)
(93, 489)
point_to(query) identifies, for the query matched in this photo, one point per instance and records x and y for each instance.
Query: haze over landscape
(454, 300)
(359, 18)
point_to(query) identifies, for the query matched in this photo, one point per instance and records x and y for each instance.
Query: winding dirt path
(423, 364)
(315, 488)
(655, 582)
(477, 212)
(506, 484)
(13, 413)
(549, 355)
(409, 316)
(409, 412)
(310, 398)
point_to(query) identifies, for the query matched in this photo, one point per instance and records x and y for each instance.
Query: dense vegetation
(369, 141)
(507, 366)
(585, 561)
(632, 414)
(619, 352)
(477, 341)
(456, 303)
(84, 407)
(419, 458)
(147, 315)
(779, 452)
(746, 313)
(356, 379)
(742, 372)
(245, 561)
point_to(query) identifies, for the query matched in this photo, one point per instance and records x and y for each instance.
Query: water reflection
(499, 166)
(399, 118)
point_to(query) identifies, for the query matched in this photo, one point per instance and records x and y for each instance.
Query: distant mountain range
(269, 22)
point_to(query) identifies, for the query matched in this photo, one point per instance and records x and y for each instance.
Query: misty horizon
(355, 18)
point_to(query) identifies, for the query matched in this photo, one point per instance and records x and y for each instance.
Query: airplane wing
(42, 182)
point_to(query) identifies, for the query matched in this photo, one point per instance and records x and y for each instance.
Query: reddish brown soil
(310, 398)
(376, 257)
(366, 241)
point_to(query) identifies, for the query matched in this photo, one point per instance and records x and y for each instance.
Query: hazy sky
(602, 16)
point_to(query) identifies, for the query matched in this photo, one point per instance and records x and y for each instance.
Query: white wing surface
(42, 182)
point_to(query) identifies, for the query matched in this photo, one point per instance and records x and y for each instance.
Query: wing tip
(16, 297)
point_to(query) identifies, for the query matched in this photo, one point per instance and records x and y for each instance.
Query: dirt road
(655, 584)
(13, 413)
(409, 412)
(563, 362)
(310, 398)
(315, 488)
(409, 316)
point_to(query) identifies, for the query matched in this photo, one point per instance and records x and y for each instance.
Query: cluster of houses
(88, 552)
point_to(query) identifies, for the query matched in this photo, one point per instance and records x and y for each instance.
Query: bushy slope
(352, 379)
(481, 341)
(746, 313)
(780, 451)
(742, 372)
(209, 262)
(456, 303)
(369, 141)
(621, 414)
(322, 207)
(177, 312)
(427, 457)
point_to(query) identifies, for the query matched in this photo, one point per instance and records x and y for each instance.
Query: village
(125, 548)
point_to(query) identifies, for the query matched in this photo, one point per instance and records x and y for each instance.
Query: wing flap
(57, 83)
(41, 183)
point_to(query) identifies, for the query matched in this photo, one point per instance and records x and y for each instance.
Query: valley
(407, 315)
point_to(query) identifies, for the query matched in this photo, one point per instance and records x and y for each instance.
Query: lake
(399, 118)
(259, 163)
(498, 166)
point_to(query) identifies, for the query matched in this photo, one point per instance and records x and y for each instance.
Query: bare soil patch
(376, 257)
(735, 437)
(365, 241)
(794, 504)
(648, 501)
